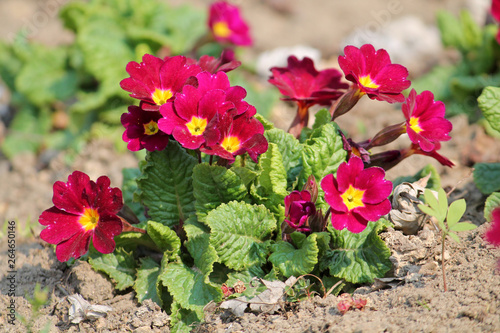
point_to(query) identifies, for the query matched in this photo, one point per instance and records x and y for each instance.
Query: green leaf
(198, 245)
(427, 210)
(487, 177)
(165, 186)
(266, 123)
(269, 188)
(454, 237)
(451, 30)
(165, 238)
(129, 186)
(240, 233)
(291, 261)
(182, 320)
(492, 202)
(147, 284)
(489, 103)
(322, 117)
(358, 258)
(455, 212)
(291, 152)
(322, 155)
(436, 205)
(443, 203)
(213, 185)
(247, 176)
(463, 226)
(471, 31)
(119, 265)
(45, 78)
(434, 182)
(188, 286)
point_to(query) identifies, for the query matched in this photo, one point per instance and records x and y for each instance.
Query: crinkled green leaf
(487, 177)
(119, 265)
(489, 103)
(295, 261)
(165, 238)
(246, 175)
(434, 182)
(322, 155)
(198, 245)
(471, 30)
(455, 212)
(188, 286)
(492, 202)
(147, 285)
(240, 234)
(269, 188)
(291, 152)
(358, 258)
(321, 118)
(213, 185)
(184, 320)
(266, 123)
(165, 186)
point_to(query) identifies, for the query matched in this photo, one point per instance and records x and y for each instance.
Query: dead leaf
(81, 309)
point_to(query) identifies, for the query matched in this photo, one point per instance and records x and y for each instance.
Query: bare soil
(417, 304)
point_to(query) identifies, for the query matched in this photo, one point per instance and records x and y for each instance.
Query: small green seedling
(39, 300)
(451, 215)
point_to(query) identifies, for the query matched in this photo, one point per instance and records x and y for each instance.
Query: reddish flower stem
(442, 262)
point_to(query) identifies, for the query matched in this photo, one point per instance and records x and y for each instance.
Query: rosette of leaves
(210, 225)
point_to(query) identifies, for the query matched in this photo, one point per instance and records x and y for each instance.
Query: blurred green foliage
(65, 94)
(458, 85)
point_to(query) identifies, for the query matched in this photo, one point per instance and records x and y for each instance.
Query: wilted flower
(227, 25)
(425, 122)
(373, 73)
(356, 196)
(302, 83)
(298, 209)
(155, 81)
(83, 209)
(141, 130)
(189, 117)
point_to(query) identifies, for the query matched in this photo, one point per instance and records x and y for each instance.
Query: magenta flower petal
(356, 196)
(225, 63)
(71, 229)
(374, 74)
(302, 83)
(155, 81)
(227, 25)
(67, 196)
(74, 247)
(425, 122)
(495, 9)
(492, 235)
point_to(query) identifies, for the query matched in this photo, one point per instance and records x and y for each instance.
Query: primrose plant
(224, 197)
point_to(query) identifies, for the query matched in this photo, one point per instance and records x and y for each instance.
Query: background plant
(448, 219)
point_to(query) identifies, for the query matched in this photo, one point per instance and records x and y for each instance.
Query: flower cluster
(83, 210)
(492, 235)
(194, 103)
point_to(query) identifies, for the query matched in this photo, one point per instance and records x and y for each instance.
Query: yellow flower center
(151, 128)
(221, 29)
(197, 126)
(352, 198)
(367, 82)
(231, 144)
(161, 97)
(415, 125)
(89, 219)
